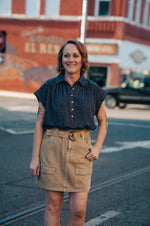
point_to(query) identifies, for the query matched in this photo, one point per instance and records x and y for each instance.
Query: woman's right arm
(37, 140)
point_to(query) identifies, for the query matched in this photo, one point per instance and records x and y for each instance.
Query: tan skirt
(64, 166)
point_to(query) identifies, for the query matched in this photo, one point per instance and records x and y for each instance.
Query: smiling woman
(62, 150)
(72, 62)
(81, 49)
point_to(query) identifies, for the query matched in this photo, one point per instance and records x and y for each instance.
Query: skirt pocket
(83, 177)
(47, 177)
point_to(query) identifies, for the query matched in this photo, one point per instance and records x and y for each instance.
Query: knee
(78, 212)
(53, 208)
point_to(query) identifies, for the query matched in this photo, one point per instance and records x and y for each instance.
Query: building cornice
(117, 19)
(42, 17)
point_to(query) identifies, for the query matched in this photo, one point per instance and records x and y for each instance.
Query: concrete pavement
(26, 102)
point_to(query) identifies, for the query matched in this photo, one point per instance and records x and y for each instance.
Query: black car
(133, 91)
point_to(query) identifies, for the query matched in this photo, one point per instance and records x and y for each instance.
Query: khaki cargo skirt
(64, 166)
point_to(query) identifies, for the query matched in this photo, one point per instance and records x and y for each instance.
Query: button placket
(72, 102)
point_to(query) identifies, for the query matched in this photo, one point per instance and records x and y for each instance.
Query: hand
(35, 167)
(93, 153)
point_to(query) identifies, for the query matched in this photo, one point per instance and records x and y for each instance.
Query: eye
(76, 55)
(65, 55)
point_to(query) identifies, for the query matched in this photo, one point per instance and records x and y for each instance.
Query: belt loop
(71, 136)
(57, 132)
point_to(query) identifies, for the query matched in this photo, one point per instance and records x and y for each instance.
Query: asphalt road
(120, 188)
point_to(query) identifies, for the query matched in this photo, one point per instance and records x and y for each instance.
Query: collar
(82, 80)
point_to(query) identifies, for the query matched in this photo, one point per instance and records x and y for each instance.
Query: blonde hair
(83, 52)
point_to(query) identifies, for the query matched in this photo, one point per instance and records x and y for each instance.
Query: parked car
(133, 91)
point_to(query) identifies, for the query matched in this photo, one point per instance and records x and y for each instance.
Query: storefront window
(98, 75)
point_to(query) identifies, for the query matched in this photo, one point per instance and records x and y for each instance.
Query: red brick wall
(105, 29)
(142, 11)
(117, 30)
(136, 34)
(71, 7)
(31, 53)
(91, 7)
(115, 78)
(18, 8)
(42, 7)
(19, 34)
(117, 8)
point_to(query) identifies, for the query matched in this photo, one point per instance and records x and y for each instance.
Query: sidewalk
(132, 111)
(27, 102)
(4, 93)
(19, 102)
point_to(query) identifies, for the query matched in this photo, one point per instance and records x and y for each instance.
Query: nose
(70, 58)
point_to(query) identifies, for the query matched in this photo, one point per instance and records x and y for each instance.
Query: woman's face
(71, 60)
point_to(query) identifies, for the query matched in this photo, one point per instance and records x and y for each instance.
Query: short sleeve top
(70, 107)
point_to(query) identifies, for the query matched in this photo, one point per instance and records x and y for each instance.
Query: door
(98, 74)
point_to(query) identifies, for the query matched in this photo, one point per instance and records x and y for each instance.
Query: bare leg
(54, 202)
(77, 206)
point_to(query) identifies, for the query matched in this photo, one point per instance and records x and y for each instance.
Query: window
(130, 9)
(98, 75)
(145, 18)
(32, 7)
(102, 7)
(138, 11)
(5, 7)
(52, 7)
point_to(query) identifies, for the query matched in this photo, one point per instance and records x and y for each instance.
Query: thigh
(54, 198)
(78, 201)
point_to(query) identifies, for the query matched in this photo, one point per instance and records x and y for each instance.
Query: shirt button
(72, 109)
(72, 116)
(71, 95)
(72, 102)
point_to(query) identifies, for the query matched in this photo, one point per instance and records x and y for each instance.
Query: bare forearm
(37, 139)
(101, 133)
(102, 130)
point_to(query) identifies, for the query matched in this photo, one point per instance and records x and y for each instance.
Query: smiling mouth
(71, 65)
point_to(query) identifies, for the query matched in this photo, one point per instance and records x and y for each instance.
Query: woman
(62, 154)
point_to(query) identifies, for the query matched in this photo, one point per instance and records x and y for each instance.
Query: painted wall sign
(42, 44)
(102, 49)
(35, 31)
(42, 48)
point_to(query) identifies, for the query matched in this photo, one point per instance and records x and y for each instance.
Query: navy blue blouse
(70, 107)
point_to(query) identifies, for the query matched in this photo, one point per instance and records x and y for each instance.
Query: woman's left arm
(101, 133)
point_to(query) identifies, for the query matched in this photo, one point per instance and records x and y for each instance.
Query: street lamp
(83, 20)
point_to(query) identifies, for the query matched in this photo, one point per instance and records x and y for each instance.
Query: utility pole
(83, 20)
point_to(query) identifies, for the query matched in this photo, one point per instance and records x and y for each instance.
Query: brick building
(116, 33)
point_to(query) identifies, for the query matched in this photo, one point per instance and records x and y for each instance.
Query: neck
(72, 78)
